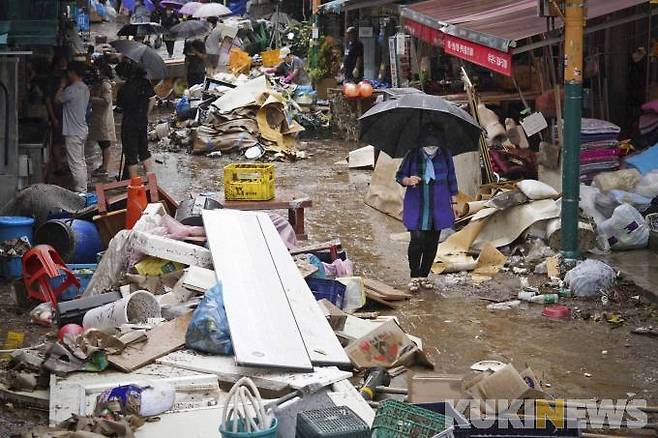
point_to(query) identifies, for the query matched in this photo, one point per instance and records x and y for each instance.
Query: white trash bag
(626, 229)
(589, 278)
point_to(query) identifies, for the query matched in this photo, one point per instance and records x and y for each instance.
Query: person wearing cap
(428, 173)
(353, 59)
(291, 68)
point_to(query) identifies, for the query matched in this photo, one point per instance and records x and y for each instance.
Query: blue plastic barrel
(12, 227)
(75, 240)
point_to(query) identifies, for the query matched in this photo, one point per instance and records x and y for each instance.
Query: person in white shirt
(74, 99)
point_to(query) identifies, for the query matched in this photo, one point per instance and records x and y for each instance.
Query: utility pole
(574, 18)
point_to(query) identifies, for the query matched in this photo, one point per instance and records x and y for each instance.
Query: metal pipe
(6, 92)
(573, 80)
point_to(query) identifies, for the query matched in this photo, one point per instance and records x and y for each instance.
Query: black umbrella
(395, 125)
(140, 29)
(144, 55)
(189, 29)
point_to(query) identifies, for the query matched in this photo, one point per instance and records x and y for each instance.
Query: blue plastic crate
(331, 290)
(79, 270)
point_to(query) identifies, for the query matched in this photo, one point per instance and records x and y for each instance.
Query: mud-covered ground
(579, 358)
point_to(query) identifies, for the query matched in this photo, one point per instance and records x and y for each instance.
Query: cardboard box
(431, 388)
(505, 384)
(386, 346)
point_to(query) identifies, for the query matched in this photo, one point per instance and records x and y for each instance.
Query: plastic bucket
(269, 433)
(135, 308)
(75, 240)
(12, 227)
(11, 267)
(82, 272)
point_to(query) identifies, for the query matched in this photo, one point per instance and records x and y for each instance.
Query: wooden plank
(317, 247)
(321, 343)
(263, 329)
(378, 298)
(162, 340)
(169, 249)
(227, 371)
(389, 293)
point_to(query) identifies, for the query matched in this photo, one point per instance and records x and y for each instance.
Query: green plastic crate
(335, 422)
(396, 419)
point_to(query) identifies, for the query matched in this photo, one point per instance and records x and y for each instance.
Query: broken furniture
(42, 265)
(111, 216)
(294, 202)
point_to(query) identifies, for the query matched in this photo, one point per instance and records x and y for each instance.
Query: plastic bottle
(526, 295)
(565, 293)
(545, 299)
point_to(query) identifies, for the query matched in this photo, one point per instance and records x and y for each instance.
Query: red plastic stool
(40, 265)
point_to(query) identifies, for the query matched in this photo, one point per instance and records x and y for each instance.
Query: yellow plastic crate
(249, 182)
(271, 58)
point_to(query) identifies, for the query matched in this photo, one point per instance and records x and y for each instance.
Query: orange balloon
(365, 89)
(350, 90)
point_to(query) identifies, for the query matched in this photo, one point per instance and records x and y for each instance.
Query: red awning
(496, 23)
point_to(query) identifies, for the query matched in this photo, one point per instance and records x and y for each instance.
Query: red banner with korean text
(425, 33)
(489, 58)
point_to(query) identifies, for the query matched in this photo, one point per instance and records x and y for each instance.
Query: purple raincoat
(440, 191)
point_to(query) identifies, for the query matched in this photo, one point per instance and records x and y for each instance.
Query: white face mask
(430, 150)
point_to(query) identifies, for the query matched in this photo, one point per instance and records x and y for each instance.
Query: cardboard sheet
(243, 95)
(488, 263)
(384, 193)
(506, 226)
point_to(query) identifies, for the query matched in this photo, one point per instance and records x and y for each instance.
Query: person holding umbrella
(195, 62)
(169, 20)
(136, 100)
(427, 131)
(428, 173)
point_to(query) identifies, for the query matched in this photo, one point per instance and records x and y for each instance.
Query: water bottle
(527, 295)
(545, 299)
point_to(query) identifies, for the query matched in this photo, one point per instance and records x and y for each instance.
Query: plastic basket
(335, 422)
(83, 272)
(331, 290)
(271, 57)
(395, 419)
(249, 182)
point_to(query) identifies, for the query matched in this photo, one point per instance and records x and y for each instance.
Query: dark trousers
(422, 250)
(170, 47)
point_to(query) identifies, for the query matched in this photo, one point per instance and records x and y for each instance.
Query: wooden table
(294, 202)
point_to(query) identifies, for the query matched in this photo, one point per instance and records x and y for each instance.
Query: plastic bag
(626, 229)
(607, 202)
(648, 185)
(183, 106)
(625, 179)
(589, 278)
(208, 331)
(110, 12)
(534, 189)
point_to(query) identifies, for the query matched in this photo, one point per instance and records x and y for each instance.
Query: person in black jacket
(169, 20)
(136, 101)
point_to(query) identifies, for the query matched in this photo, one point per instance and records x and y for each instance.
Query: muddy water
(453, 322)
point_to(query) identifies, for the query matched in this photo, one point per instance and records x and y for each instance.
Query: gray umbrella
(189, 29)
(140, 29)
(395, 125)
(144, 55)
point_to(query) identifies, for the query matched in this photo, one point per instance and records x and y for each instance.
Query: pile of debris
(236, 114)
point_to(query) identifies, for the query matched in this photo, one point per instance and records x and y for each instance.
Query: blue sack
(182, 106)
(208, 331)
